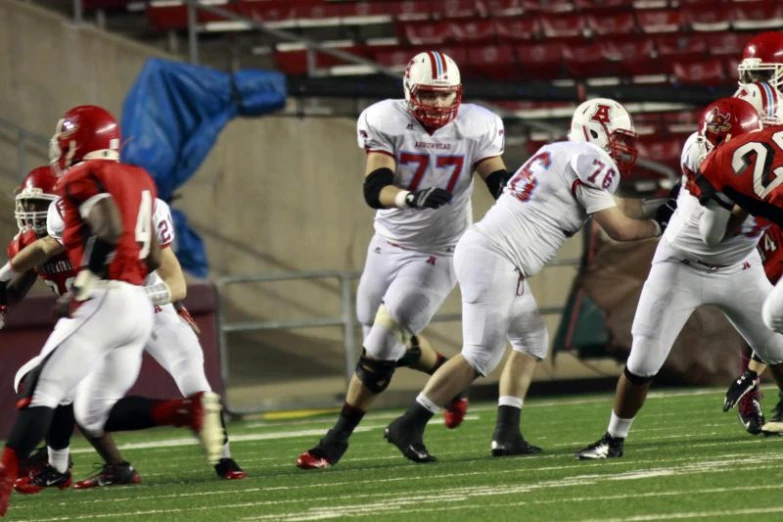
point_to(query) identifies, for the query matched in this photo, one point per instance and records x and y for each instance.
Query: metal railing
(23, 139)
(347, 318)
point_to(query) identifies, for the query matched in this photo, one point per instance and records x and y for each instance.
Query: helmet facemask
(755, 70)
(427, 111)
(32, 207)
(622, 149)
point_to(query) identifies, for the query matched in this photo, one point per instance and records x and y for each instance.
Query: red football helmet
(727, 118)
(33, 198)
(762, 59)
(85, 132)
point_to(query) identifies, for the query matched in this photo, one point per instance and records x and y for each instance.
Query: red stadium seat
(518, 28)
(680, 46)
(703, 72)
(611, 23)
(540, 61)
(499, 8)
(587, 61)
(730, 64)
(108, 5)
(563, 25)
(394, 57)
(425, 33)
(295, 62)
(410, 9)
(659, 20)
(493, 61)
(767, 14)
(474, 31)
(726, 43)
(274, 11)
(551, 6)
(708, 16)
(666, 150)
(165, 18)
(631, 54)
(455, 8)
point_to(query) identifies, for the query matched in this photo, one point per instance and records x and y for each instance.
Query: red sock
(174, 412)
(10, 462)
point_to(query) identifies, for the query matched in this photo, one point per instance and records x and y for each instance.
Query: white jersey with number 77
(445, 158)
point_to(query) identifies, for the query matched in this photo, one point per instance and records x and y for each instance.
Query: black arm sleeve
(496, 181)
(374, 183)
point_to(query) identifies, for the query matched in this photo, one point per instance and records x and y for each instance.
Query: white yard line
(274, 435)
(692, 514)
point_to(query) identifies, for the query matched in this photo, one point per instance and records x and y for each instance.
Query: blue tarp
(171, 119)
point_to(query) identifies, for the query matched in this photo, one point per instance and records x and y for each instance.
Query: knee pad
(412, 354)
(771, 314)
(375, 374)
(647, 356)
(386, 340)
(636, 380)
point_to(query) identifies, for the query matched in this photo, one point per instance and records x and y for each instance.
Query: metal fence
(347, 318)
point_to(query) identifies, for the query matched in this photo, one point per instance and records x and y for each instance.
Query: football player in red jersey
(107, 210)
(745, 169)
(174, 345)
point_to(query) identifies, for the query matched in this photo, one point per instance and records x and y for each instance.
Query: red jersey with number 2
(749, 169)
(133, 192)
(57, 272)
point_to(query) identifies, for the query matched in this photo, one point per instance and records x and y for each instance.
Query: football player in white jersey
(546, 201)
(700, 260)
(421, 155)
(174, 344)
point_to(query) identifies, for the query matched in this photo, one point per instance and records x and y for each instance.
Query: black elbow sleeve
(374, 183)
(496, 182)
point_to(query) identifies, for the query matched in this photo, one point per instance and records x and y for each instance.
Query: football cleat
(109, 475)
(750, 414)
(228, 469)
(511, 444)
(48, 477)
(454, 412)
(606, 447)
(205, 412)
(36, 462)
(741, 386)
(326, 454)
(409, 442)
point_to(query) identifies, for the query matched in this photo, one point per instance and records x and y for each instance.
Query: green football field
(685, 459)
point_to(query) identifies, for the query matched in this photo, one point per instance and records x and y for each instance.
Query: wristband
(7, 272)
(400, 200)
(159, 293)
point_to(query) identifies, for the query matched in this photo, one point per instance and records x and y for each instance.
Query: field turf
(685, 459)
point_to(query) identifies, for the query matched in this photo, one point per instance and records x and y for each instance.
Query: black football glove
(666, 211)
(432, 197)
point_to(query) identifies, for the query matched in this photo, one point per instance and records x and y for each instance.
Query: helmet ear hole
(593, 134)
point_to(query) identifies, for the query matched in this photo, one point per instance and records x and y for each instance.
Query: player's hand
(664, 213)
(432, 197)
(83, 285)
(185, 316)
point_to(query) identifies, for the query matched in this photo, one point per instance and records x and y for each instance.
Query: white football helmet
(432, 71)
(607, 124)
(765, 98)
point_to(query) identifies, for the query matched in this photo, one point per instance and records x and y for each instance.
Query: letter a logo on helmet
(601, 114)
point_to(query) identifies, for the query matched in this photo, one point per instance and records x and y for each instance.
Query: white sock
(226, 453)
(619, 427)
(510, 400)
(424, 401)
(58, 459)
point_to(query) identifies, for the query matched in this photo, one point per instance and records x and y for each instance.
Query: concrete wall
(276, 194)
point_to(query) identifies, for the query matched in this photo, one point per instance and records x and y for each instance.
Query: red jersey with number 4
(133, 192)
(57, 272)
(749, 170)
(770, 247)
